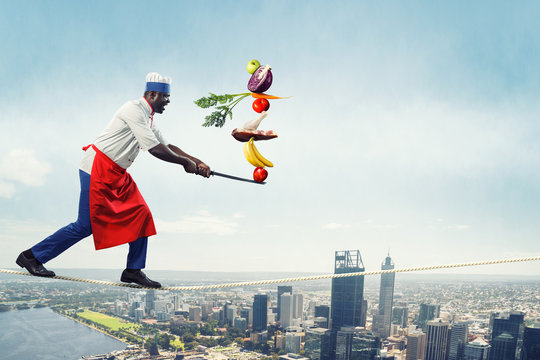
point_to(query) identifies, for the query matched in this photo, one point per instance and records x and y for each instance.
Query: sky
(412, 129)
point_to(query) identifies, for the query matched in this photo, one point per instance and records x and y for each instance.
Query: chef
(110, 204)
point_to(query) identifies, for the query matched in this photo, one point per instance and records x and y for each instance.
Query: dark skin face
(157, 100)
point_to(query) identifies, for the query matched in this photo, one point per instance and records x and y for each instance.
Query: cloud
(7, 189)
(459, 227)
(201, 223)
(21, 165)
(333, 226)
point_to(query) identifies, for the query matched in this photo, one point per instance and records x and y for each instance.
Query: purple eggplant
(261, 80)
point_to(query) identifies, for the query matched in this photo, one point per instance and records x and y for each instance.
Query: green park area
(177, 343)
(108, 321)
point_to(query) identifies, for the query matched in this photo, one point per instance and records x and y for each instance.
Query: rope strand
(286, 280)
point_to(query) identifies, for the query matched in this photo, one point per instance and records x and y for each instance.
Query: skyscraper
(287, 309)
(400, 316)
(476, 350)
(298, 306)
(506, 333)
(365, 346)
(386, 299)
(436, 339)
(260, 312)
(427, 312)
(416, 345)
(317, 342)
(149, 301)
(344, 343)
(458, 338)
(280, 291)
(531, 342)
(348, 292)
(322, 311)
(347, 301)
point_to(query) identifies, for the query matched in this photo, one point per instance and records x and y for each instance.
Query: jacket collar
(147, 107)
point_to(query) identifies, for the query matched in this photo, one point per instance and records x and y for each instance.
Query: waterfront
(44, 335)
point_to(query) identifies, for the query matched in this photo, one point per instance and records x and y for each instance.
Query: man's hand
(203, 170)
(190, 167)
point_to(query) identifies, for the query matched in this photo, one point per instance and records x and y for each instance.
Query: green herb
(223, 105)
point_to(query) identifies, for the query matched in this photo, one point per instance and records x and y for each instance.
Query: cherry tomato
(260, 174)
(260, 105)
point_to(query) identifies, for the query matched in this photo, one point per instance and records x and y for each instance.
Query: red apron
(118, 212)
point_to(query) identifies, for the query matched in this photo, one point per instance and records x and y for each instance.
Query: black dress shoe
(33, 266)
(138, 277)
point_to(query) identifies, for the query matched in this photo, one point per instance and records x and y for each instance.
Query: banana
(250, 157)
(258, 155)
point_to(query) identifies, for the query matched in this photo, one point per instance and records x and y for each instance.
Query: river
(41, 334)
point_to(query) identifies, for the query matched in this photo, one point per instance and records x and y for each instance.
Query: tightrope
(286, 280)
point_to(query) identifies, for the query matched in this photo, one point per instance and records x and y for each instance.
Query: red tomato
(260, 105)
(259, 174)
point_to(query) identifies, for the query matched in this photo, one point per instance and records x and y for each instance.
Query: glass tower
(317, 342)
(347, 292)
(260, 312)
(386, 299)
(506, 333)
(427, 312)
(458, 338)
(531, 342)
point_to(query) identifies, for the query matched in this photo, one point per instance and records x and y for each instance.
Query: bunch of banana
(254, 156)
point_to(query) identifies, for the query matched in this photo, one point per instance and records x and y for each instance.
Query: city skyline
(441, 337)
(424, 142)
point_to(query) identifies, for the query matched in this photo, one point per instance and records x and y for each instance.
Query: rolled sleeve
(159, 135)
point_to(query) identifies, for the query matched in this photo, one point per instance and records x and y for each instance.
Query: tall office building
(195, 313)
(427, 312)
(416, 345)
(322, 311)
(365, 346)
(260, 312)
(247, 313)
(459, 334)
(348, 292)
(386, 299)
(400, 316)
(293, 342)
(298, 306)
(231, 314)
(477, 349)
(436, 339)
(344, 343)
(506, 334)
(316, 343)
(149, 301)
(280, 291)
(531, 342)
(287, 310)
(347, 299)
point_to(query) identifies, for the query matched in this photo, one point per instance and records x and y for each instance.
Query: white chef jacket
(132, 128)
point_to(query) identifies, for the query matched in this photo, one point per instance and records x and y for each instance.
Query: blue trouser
(69, 235)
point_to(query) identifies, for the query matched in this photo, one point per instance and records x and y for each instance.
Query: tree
(151, 347)
(209, 328)
(224, 341)
(164, 340)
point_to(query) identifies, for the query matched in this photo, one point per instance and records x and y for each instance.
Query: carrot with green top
(266, 96)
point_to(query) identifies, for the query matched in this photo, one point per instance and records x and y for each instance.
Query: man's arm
(164, 153)
(202, 168)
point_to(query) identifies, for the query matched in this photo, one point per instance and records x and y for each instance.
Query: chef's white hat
(156, 82)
